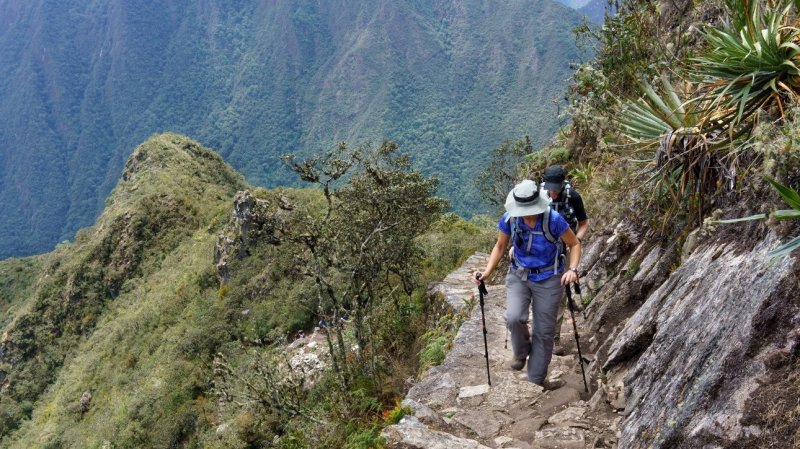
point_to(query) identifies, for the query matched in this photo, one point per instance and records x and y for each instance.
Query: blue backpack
(548, 235)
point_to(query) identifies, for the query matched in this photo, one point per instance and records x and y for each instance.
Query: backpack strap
(565, 208)
(512, 221)
(548, 234)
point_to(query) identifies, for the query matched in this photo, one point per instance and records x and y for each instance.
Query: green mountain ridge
(170, 187)
(82, 83)
(110, 340)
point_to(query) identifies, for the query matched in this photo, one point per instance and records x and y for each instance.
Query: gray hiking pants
(543, 297)
(562, 303)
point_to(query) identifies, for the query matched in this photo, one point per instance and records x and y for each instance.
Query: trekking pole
(571, 306)
(578, 291)
(482, 291)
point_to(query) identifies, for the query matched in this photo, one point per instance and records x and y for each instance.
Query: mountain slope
(81, 83)
(171, 189)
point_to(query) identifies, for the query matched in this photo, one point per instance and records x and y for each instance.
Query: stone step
(409, 433)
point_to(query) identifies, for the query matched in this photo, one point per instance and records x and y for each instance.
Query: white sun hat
(526, 199)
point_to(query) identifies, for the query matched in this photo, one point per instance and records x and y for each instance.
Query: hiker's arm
(574, 245)
(494, 258)
(583, 228)
(580, 215)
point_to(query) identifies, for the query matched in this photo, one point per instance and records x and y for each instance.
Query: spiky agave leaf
(786, 248)
(789, 195)
(792, 197)
(739, 220)
(649, 118)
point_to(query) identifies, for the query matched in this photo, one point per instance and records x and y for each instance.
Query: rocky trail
(454, 407)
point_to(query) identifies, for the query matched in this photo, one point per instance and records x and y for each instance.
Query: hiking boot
(558, 349)
(551, 384)
(518, 364)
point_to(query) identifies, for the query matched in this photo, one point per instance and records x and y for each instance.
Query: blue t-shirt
(543, 253)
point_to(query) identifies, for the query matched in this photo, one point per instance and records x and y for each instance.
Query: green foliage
(586, 298)
(628, 45)
(374, 291)
(633, 267)
(394, 415)
(435, 350)
(750, 64)
(535, 163)
(590, 101)
(124, 302)
(540, 160)
(17, 278)
(436, 342)
(366, 439)
(582, 175)
(133, 311)
(366, 238)
(698, 131)
(451, 239)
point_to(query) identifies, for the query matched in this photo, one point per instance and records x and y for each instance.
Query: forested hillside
(82, 82)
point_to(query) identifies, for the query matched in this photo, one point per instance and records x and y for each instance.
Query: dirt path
(454, 407)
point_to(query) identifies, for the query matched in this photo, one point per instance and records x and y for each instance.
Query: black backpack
(565, 209)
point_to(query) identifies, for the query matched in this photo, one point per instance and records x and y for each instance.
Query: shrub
(395, 414)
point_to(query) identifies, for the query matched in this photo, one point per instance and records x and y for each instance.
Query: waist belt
(533, 270)
(525, 271)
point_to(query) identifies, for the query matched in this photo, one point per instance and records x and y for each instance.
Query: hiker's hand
(569, 277)
(479, 277)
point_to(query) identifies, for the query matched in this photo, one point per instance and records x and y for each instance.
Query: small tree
(363, 249)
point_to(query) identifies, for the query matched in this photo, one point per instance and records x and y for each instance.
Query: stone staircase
(454, 407)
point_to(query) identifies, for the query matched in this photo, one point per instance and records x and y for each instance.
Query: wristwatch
(574, 269)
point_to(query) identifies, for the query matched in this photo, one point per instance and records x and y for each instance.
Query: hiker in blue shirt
(536, 276)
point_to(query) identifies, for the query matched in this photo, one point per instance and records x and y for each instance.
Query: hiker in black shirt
(567, 202)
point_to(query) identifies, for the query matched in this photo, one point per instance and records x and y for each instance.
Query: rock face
(251, 218)
(699, 343)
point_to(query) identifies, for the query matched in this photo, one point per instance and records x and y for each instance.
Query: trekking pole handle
(482, 286)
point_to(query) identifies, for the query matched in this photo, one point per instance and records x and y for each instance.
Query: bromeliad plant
(690, 159)
(750, 64)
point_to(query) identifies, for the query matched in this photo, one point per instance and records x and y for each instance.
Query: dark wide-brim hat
(526, 199)
(554, 177)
